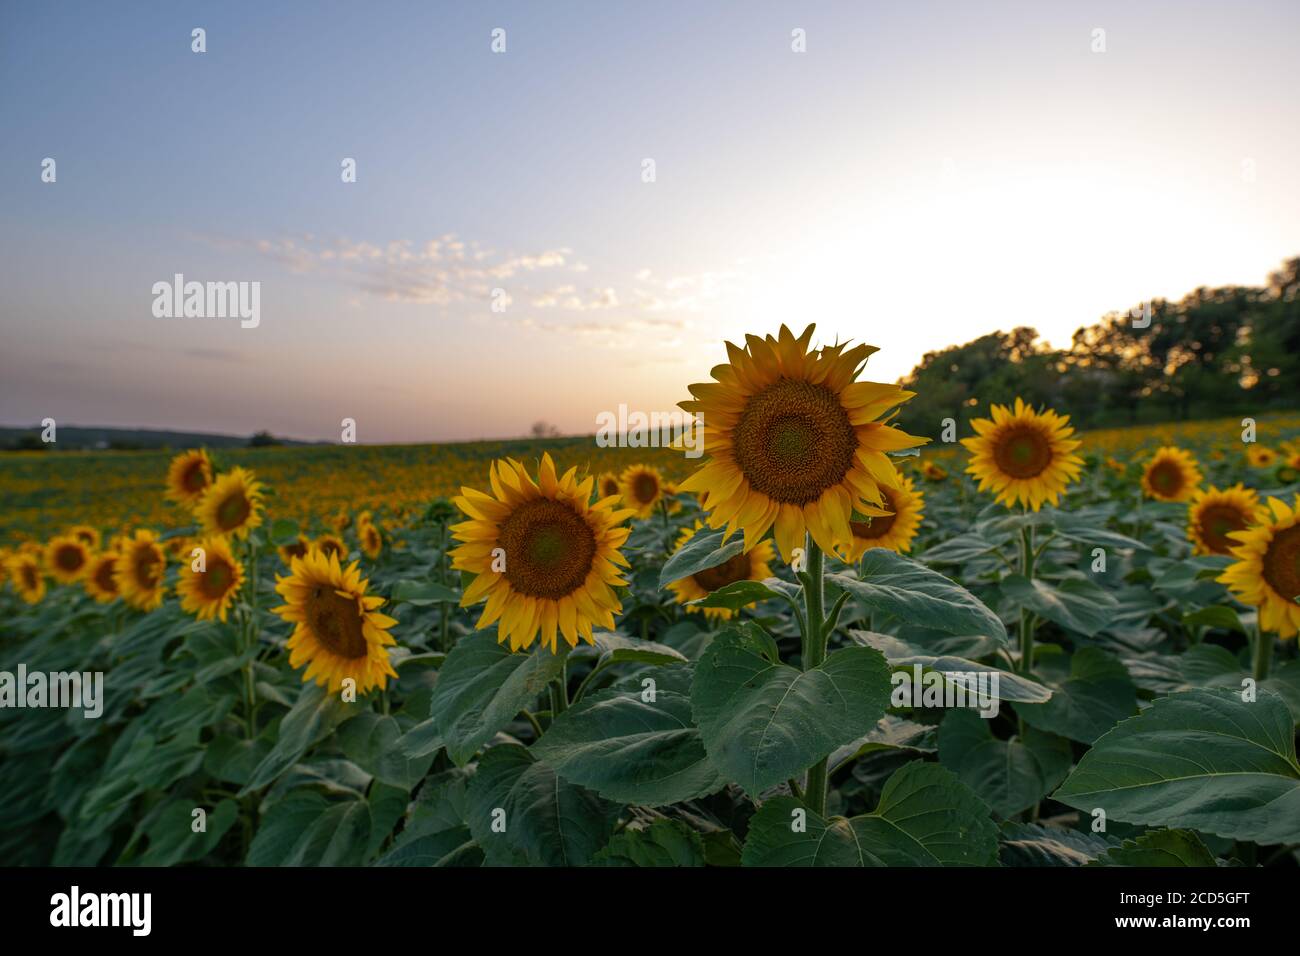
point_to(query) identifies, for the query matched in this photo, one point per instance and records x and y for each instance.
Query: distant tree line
(1215, 352)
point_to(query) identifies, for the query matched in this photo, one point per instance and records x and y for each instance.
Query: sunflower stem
(1026, 623)
(814, 653)
(1263, 657)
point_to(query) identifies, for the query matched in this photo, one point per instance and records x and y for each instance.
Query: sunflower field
(828, 642)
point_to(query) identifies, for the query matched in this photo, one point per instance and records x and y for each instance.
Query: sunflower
(794, 442)
(1267, 571)
(297, 549)
(231, 505)
(1025, 457)
(1171, 475)
(209, 593)
(1261, 456)
(752, 565)
(100, 581)
(25, 573)
(67, 558)
(893, 531)
(372, 542)
(338, 630)
(641, 487)
(932, 471)
(139, 571)
(188, 476)
(545, 558)
(330, 544)
(1214, 514)
(607, 485)
(88, 535)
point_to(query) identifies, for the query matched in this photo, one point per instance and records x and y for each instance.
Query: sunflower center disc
(728, 572)
(1282, 564)
(104, 577)
(30, 580)
(69, 558)
(549, 548)
(645, 488)
(146, 568)
(1216, 522)
(194, 478)
(336, 621)
(1167, 478)
(793, 441)
(234, 511)
(1023, 453)
(216, 581)
(877, 527)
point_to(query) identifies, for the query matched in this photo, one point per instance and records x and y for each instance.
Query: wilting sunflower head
(88, 535)
(370, 538)
(1261, 456)
(1171, 475)
(140, 571)
(232, 504)
(210, 580)
(1267, 571)
(188, 476)
(1024, 457)
(607, 485)
(894, 531)
(295, 549)
(67, 558)
(1213, 515)
(26, 577)
(330, 545)
(794, 442)
(100, 581)
(752, 565)
(545, 557)
(641, 487)
(339, 631)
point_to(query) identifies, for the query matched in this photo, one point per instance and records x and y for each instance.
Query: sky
(921, 174)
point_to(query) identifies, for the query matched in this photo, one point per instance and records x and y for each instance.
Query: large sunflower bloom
(338, 630)
(67, 558)
(794, 442)
(641, 487)
(1214, 514)
(754, 565)
(894, 531)
(188, 476)
(25, 573)
(100, 581)
(1171, 475)
(1267, 572)
(208, 594)
(232, 505)
(140, 570)
(1024, 457)
(545, 557)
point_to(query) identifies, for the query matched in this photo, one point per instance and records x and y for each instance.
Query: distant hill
(82, 437)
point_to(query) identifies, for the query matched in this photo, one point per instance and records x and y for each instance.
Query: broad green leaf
(618, 649)
(663, 843)
(629, 750)
(957, 671)
(1160, 848)
(1037, 844)
(315, 713)
(1008, 775)
(912, 592)
(373, 742)
(763, 721)
(173, 840)
(283, 531)
(704, 550)
(1090, 700)
(890, 733)
(1216, 616)
(738, 594)
(423, 593)
(420, 741)
(926, 817)
(482, 687)
(1075, 604)
(520, 811)
(1205, 760)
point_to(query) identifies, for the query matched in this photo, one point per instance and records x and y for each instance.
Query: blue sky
(923, 174)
